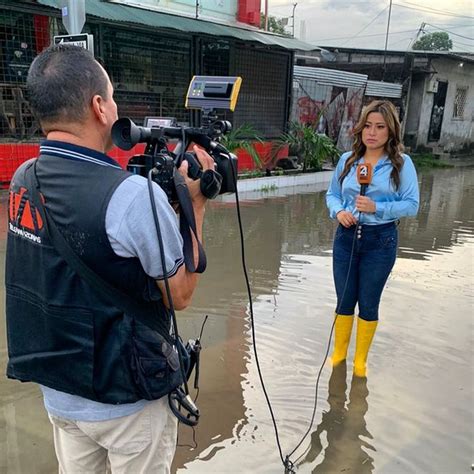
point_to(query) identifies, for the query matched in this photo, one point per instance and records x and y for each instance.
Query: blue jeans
(373, 257)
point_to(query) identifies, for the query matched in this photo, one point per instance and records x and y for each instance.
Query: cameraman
(104, 375)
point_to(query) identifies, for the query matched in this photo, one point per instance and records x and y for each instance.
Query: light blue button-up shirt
(391, 203)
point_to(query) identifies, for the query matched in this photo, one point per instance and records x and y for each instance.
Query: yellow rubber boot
(342, 337)
(365, 334)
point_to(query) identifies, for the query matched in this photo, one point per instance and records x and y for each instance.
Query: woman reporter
(365, 243)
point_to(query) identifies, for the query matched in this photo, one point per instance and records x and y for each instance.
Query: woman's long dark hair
(393, 147)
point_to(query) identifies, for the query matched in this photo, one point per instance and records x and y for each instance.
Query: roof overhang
(117, 12)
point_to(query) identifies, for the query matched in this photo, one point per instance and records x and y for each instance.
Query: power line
(365, 27)
(458, 26)
(431, 11)
(448, 31)
(399, 41)
(368, 36)
(463, 44)
(429, 8)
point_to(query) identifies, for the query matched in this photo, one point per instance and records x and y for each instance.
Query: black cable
(165, 277)
(183, 149)
(329, 341)
(252, 321)
(202, 326)
(327, 349)
(287, 463)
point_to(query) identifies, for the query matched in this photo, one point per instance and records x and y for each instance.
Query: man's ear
(98, 109)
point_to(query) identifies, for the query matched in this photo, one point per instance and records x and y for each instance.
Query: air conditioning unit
(432, 85)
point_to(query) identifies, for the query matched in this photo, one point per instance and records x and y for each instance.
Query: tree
(437, 41)
(275, 25)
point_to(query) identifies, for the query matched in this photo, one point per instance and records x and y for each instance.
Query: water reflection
(342, 428)
(446, 214)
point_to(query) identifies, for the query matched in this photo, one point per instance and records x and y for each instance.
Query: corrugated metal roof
(331, 77)
(125, 13)
(383, 89)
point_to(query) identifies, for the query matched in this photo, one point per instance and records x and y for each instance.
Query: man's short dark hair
(61, 83)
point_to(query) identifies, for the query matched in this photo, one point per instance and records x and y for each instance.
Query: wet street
(414, 412)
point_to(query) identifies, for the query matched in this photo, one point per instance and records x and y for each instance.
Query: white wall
(455, 133)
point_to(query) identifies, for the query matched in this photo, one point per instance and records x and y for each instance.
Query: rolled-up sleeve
(334, 200)
(408, 196)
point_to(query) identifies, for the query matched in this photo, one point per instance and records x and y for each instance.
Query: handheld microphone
(364, 176)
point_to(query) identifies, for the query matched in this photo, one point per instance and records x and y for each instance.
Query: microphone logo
(364, 176)
(364, 173)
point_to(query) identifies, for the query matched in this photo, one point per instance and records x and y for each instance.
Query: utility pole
(197, 9)
(413, 41)
(266, 15)
(386, 41)
(293, 18)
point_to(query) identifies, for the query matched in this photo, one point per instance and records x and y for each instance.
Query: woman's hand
(365, 204)
(346, 218)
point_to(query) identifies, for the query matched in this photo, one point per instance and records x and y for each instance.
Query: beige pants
(141, 443)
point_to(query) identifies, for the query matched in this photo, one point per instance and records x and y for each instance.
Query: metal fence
(150, 71)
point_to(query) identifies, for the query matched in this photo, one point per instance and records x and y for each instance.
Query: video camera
(205, 93)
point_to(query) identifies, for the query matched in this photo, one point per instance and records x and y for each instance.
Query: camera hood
(125, 134)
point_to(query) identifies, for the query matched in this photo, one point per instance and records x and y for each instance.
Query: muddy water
(413, 414)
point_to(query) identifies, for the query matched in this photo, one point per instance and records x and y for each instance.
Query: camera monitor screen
(150, 122)
(213, 92)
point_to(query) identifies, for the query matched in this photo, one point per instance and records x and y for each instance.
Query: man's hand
(365, 204)
(346, 218)
(194, 188)
(183, 283)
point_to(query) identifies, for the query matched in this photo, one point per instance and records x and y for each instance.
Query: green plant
(428, 160)
(312, 148)
(243, 137)
(436, 41)
(268, 188)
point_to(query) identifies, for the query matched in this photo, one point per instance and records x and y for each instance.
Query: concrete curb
(255, 189)
(286, 181)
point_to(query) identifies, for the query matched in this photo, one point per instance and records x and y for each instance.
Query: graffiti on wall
(352, 109)
(330, 109)
(334, 114)
(309, 110)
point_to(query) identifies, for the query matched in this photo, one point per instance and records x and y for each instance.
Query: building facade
(437, 101)
(440, 112)
(151, 57)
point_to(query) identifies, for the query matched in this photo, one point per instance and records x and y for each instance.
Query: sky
(363, 23)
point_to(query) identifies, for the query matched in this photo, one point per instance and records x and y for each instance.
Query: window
(459, 102)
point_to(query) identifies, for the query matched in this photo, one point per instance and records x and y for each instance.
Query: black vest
(61, 332)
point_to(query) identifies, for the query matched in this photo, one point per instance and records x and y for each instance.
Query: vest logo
(24, 219)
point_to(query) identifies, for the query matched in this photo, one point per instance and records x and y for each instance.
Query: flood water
(414, 412)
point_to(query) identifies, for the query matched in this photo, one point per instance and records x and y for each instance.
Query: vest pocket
(50, 345)
(155, 363)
